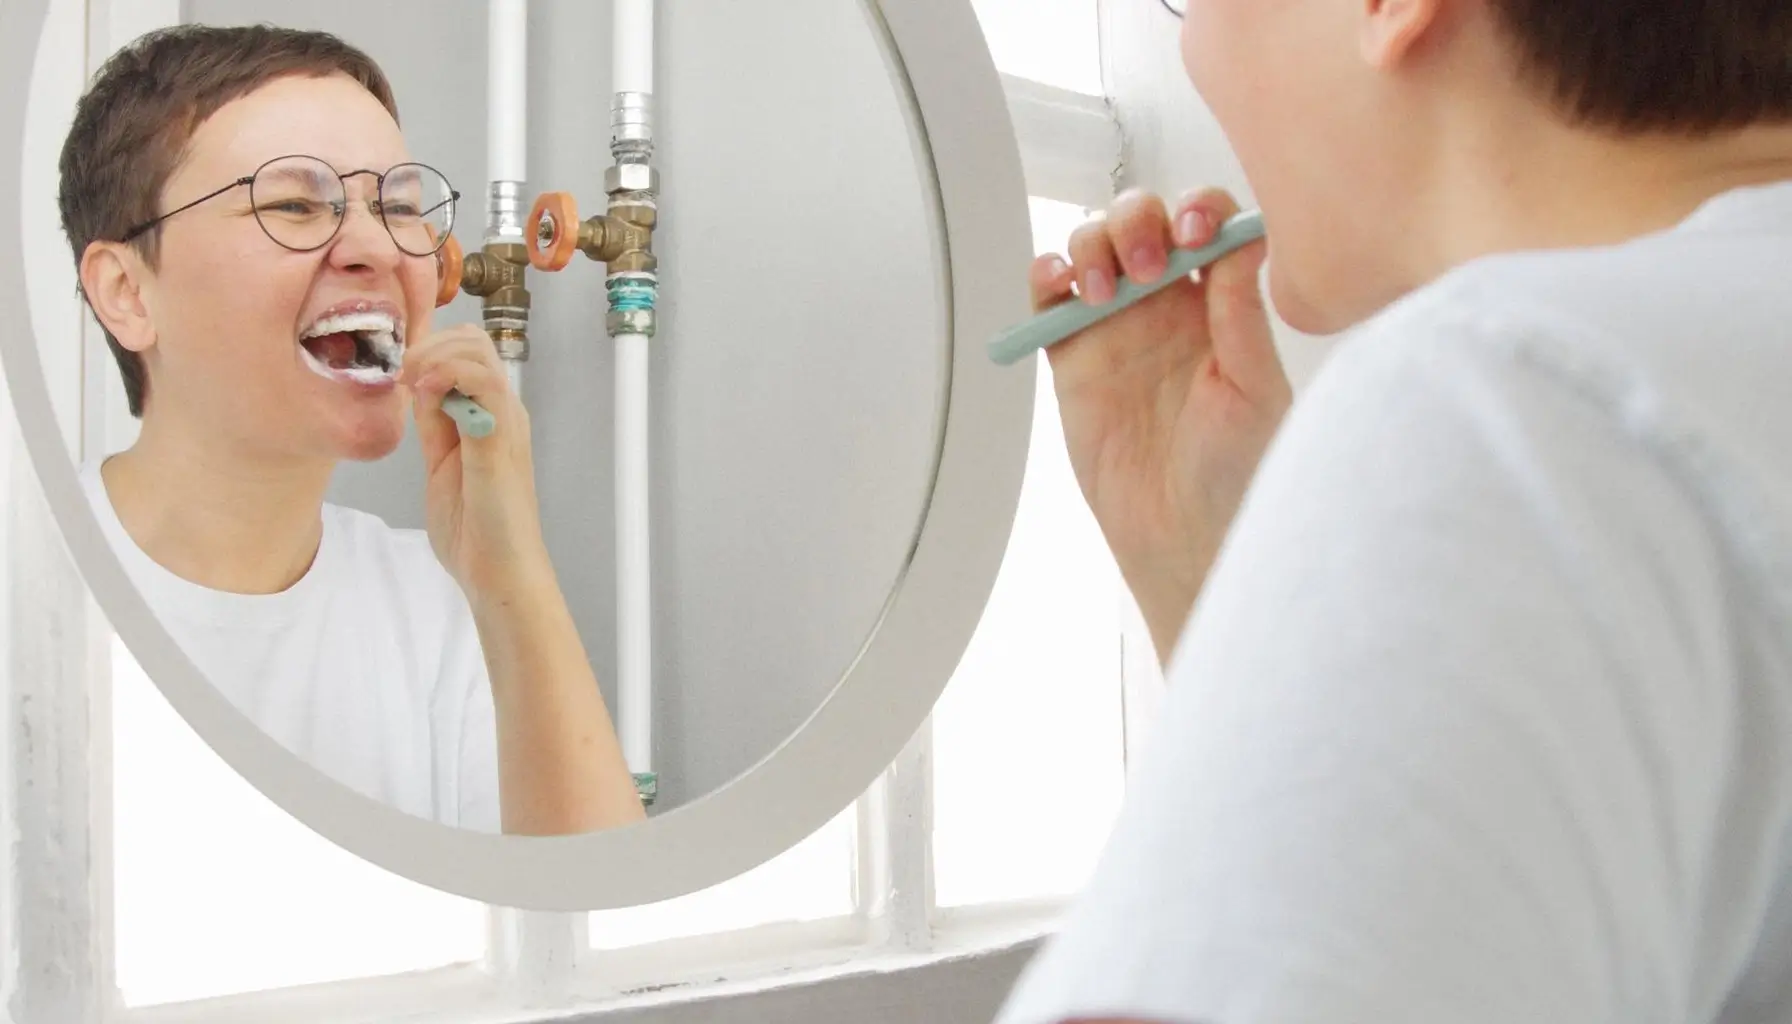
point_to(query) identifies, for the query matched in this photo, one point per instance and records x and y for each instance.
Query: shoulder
(1474, 446)
(1604, 344)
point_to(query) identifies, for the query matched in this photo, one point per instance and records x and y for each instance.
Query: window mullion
(894, 866)
(1071, 147)
(536, 955)
(61, 951)
(54, 644)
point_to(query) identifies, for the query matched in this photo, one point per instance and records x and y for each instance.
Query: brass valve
(621, 238)
(497, 275)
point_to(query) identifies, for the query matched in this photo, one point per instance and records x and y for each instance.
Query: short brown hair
(1685, 67)
(132, 127)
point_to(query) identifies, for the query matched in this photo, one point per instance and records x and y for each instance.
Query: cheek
(418, 279)
(1218, 40)
(246, 300)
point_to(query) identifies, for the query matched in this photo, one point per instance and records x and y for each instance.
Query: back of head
(1676, 67)
(1389, 142)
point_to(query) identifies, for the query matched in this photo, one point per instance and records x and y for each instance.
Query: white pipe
(506, 130)
(632, 46)
(632, 60)
(634, 622)
(507, 85)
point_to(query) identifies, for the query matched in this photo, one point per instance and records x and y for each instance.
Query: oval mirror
(825, 463)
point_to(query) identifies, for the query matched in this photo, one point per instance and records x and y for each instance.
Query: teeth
(368, 321)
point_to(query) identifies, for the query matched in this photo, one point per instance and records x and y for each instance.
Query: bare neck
(216, 514)
(1520, 183)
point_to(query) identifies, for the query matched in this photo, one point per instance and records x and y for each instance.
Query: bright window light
(812, 881)
(1057, 42)
(1027, 740)
(219, 892)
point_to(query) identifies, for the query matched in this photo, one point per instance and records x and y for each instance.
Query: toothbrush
(473, 418)
(1062, 321)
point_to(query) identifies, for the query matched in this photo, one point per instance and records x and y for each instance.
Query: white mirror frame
(965, 144)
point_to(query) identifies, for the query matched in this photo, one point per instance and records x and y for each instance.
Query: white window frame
(56, 776)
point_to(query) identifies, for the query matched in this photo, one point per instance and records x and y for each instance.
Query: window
(1056, 42)
(1033, 713)
(812, 881)
(1027, 744)
(261, 902)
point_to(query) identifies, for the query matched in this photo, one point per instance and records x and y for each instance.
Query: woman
(1481, 710)
(256, 241)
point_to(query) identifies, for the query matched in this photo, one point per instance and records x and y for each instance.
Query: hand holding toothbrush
(482, 513)
(1169, 404)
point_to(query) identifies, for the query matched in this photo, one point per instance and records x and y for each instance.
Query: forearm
(560, 765)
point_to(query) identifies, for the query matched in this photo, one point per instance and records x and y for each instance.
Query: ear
(1391, 28)
(112, 276)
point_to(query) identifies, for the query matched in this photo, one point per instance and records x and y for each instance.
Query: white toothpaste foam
(383, 336)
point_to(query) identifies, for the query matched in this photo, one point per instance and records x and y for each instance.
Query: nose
(362, 243)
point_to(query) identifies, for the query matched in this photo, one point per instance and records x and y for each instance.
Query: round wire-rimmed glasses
(301, 201)
(1176, 7)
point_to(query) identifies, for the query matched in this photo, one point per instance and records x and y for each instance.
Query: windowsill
(681, 971)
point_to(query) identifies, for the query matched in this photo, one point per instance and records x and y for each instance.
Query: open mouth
(364, 348)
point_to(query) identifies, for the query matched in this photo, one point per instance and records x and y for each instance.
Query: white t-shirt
(369, 667)
(1485, 714)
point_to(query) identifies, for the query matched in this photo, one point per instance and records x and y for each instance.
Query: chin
(1299, 307)
(373, 435)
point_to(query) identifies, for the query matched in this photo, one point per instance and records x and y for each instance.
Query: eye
(292, 207)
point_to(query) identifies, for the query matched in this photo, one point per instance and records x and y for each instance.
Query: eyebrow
(303, 176)
(408, 176)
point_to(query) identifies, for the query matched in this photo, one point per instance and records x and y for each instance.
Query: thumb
(1239, 322)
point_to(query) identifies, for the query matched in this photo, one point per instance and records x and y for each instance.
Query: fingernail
(1098, 287)
(1057, 267)
(1148, 264)
(1188, 228)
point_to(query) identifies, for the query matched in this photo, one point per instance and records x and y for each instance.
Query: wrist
(520, 577)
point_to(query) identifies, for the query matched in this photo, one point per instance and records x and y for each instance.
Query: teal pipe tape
(648, 785)
(628, 294)
(1070, 317)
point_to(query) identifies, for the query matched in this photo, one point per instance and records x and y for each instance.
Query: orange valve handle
(448, 268)
(562, 214)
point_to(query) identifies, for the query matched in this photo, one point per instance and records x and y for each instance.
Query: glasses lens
(418, 206)
(298, 200)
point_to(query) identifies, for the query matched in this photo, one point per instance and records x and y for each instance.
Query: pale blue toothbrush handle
(1061, 321)
(473, 418)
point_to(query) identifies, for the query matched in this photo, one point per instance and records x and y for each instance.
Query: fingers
(1133, 238)
(463, 342)
(482, 383)
(1139, 232)
(1239, 319)
(1237, 316)
(1050, 280)
(460, 359)
(1097, 267)
(1199, 214)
